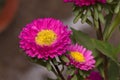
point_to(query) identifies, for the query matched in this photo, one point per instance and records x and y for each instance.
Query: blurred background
(14, 14)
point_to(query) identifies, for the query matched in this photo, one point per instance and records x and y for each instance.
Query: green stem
(105, 67)
(99, 32)
(58, 71)
(54, 71)
(112, 27)
(100, 37)
(119, 72)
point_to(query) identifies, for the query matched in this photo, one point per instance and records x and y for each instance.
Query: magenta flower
(45, 38)
(94, 75)
(81, 58)
(85, 2)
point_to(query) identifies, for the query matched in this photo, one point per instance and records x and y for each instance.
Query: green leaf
(48, 66)
(118, 52)
(38, 61)
(107, 11)
(79, 77)
(65, 59)
(96, 13)
(96, 24)
(52, 79)
(88, 13)
(58, 78)
(83, 18)
(89, 22)
(119, 28)
(109, 1)
(77, 18)
(108, 21)
(74, 77)
(84, 74)
(101, 70)
(101, 17)
(82, 39)
(78, 13)
(99, 7)
(113, 71)
(98, 61)
(107, 49)
(112, 27)
(70, 71)
(117, 8)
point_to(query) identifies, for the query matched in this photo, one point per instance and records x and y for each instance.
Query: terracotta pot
(7, 13)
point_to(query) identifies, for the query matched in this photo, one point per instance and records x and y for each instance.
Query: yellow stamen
(45, 37)
(77, 56)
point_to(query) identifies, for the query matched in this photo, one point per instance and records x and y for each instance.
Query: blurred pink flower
(94, 75)
(85, 2)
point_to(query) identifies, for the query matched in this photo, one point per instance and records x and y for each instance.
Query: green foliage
(101, 70)
(93, 44)
(65, 59)
(117, 8)
(78, 13)
(41, 62)
(107, 49)
(113, 6)
(74, 77)
(109, 1)
(99, 61)
(84, 74)
(48, 66)
(112, 27)
(118, 49)
(70, 71)
(108, 21)
(96, 13)
(85, 40)
(38, 61)
(52, 79)
(79, 77)
(113, 71)
(101, 17)
(83, 14)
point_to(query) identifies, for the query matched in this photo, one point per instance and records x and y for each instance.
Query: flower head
(81, 58)
(94, 75)
(45, 38)
(85, 2)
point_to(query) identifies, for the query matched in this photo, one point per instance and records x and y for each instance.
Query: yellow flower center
(45, 37)
(77, 56)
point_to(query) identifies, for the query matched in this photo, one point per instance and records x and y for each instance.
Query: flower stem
(105, 68)
(58, 71)
(99, 32)
(100, 37)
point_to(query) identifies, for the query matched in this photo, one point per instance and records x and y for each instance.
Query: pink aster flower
(45, 38)
(81, 58)
(85, 2)
(94, 75)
